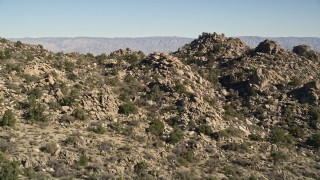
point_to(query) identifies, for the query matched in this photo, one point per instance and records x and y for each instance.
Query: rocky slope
(214, 109)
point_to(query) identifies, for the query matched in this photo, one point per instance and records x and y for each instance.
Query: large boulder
(307, 52)
(309, 93)
(269, 47)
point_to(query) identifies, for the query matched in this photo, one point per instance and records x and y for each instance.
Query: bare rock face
(269, 47)
(309, 93)
(307, 52)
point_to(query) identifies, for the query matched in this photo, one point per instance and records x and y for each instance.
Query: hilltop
(214, 108)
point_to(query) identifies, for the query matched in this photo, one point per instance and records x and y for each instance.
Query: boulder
(307, 52)
(269, 47)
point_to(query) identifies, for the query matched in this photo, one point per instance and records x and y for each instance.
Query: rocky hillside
(214, 109)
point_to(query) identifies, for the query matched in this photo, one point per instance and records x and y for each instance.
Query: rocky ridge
(214, 109)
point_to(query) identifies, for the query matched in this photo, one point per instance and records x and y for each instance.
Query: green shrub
(50, 147)
(175, 136)
(174, 121)
(240, 147)
(314, 140)
(255, 137)
(278, 156)
(36, 112)
(230, 132)
(35, 93)
(8, 169)
(30, 174)
(129, 78)
(296, 131)
(141, 167)
(18, 44)
(185, 156)
(156, 128)
(279, 136)
(230, 111)
(314, 120)
(84, 160)
(80, 114)
(180, 88)
(128, 108)
(8, 119)
(204, 129)
(210, 101)
(296, 81)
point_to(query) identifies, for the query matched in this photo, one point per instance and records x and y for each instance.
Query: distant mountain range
(98, 45)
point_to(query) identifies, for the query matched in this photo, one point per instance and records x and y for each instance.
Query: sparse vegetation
(156, 128)
(128, 108)
(8, 119)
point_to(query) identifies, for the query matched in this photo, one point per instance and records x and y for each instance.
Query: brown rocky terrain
(214, 109)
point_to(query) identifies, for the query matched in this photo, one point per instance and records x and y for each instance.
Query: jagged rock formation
(213, 109)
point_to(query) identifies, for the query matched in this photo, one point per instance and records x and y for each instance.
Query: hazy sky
(139, 18)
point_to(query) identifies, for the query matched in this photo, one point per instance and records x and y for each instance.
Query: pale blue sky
(140, 18)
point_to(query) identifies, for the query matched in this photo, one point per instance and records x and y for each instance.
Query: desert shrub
(230, 111)
(70, 99)
(8, 169)
(175, 135)
(156, 128)
(296, 131)
(100, 58)
(314, 120)
(255, 137)
(80, 114)
(72, 140)
(84, 160)
(314, 140)
(184, 156)
(4, 145)
(54, 105)
(155, 93)
(129, 79)
(279, 136)
(278, 156)
(3, 40)
(50, 147)
(174, 121)
(69, 66)
(128, 108)
(8, 119)
(98, 129)
(141, 167)
(72, 76)
(18, 44)
(295, 82)
(180, 88)
(35, 93)
(124, 96)
(210, 101)
(10, 67)
(233, 146)
(204, 129)
(30, 174)
(230, 132)
(36, 112)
